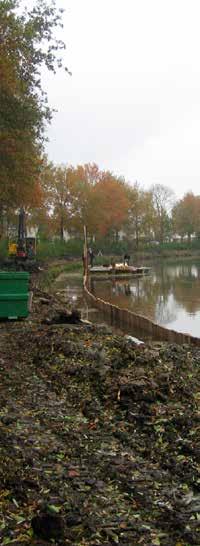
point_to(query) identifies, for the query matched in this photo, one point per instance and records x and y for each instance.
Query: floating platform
(118, 271)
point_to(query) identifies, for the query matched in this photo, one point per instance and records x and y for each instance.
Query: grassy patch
(3, 248)
(59, 249)
(54, 271)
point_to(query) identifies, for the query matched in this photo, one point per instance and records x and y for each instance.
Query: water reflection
(170, 296)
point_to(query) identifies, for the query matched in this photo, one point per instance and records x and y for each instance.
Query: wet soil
(99, 437)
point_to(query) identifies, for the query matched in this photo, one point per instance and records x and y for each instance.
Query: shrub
(3, 248)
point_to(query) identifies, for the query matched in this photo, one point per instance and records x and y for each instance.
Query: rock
(63, 317)
(73, 519)
(8, 419)
(48, 526)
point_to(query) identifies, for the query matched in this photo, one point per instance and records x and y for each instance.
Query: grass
(59, 249)
(55, 270)
(3, 248)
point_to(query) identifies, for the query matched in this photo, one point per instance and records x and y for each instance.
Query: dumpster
(14, 294)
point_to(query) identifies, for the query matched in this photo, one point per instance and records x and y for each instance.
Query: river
(169, 296)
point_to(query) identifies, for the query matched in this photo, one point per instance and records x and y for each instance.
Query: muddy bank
(99, 437)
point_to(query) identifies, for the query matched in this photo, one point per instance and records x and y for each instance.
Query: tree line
(71, 197)
(60, 198)
(110, 206)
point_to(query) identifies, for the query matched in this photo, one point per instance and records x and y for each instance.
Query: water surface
(170, 296)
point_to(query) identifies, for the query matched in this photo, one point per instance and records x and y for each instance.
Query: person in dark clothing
(126, 259)
(30, 251)
(91, 256)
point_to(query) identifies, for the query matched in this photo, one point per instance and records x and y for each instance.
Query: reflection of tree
(121, 288)
(142, 295)
(186, 286)
(184, 283)
(187, 294)
(156, 296)
(165, 312)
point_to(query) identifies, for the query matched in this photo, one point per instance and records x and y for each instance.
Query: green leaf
(53, 508)
(156, 541)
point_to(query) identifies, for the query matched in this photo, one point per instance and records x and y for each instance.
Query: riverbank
(99, 436)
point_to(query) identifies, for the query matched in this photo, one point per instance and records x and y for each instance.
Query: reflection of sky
(133, 290)
(184, 322)
(194, 271)
(175, 317)
(189, 324)
(174, 314)
(165, 311)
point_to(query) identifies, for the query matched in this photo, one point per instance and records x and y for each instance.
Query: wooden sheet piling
(125, 318)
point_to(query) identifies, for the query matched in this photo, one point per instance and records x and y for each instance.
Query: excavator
(25, 248)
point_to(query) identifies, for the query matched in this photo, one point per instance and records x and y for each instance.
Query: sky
(132, 104)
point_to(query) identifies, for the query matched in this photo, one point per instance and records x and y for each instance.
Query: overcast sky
(132, 104)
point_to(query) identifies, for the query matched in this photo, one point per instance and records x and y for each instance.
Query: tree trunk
(137, 235)
(61, 228)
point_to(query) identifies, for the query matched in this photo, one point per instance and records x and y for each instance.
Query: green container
(14, 294)
(14, 282)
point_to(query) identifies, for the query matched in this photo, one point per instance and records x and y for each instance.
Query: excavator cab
(21, 242)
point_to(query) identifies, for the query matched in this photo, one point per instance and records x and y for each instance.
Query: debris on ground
(99, 436)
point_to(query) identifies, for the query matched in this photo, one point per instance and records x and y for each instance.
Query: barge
(118, 271)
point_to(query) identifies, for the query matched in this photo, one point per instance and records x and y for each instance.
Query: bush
(110, 248)
(59, 249)
(3, 248)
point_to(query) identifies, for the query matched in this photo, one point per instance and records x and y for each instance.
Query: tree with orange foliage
(85, 196)
(71, 191)
(26, 43)
(186, 215)
(84, 180)
(110, 205)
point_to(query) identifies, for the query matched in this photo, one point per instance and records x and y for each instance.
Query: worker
(126, 259)
(30, 251)
(91, 256)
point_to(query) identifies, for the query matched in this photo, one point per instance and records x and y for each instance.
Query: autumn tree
(186, 215)
(61, 198)
(110, 203)
(84, 180)
(86, 196)
(68, 196)
(27, 43)
(140, 212)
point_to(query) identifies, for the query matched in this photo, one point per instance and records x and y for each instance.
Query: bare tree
(163, 201)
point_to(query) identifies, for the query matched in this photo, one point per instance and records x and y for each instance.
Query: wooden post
(85, 253)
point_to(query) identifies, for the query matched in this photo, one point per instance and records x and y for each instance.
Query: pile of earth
(99, 437)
